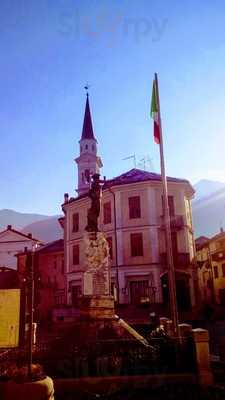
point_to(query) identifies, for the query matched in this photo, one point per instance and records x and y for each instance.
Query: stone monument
(96, 301)
(97, 313)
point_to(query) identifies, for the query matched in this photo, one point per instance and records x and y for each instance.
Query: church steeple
(87, 131)
(88, 162)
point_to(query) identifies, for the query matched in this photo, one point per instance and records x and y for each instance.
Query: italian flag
(155, 113)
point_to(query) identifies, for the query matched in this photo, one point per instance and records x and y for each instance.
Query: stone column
(201, 341)
(185, 330)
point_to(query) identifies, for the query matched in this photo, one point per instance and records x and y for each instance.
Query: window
(75, 294)
(215, 269)
(59, 297)
(109, 240)
(75, 222)
(136, 244)
(134, 207)
(93, 147)
(76, 254)
(62, 266)
(171, 206)
(86, 147)
(107, 217)
(55, 263)
(223, 270)
(139, 290)
(87, 175)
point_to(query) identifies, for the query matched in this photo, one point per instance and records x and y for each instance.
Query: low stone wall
(113, 384)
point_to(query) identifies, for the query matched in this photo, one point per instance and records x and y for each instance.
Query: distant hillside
(18, 220)
(205, 188)
(209, 213)
(46, 230)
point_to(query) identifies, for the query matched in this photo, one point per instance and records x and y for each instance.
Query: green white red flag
(155, 112)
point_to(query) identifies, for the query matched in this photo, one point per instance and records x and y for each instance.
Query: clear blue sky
(50, 49)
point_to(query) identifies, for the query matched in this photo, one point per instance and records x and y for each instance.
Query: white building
(132, 219)
(13, 242)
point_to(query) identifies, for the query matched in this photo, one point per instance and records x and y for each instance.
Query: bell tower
(88, 162)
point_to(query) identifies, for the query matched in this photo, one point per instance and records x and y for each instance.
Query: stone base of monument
(97, 320)
(97, 307)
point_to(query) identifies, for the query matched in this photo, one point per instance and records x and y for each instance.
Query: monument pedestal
(97, 313)
(97, 307)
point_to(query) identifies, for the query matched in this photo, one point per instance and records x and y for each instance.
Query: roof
(220, 235)
(133, 176)
(201, 242)
(27, 236)
(87, 131)
(137, 175)
(52, 247)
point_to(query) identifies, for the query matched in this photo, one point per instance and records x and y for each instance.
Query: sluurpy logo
(111, 28)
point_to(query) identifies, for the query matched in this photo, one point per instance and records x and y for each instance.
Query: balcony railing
(180, 259)
(176, 222)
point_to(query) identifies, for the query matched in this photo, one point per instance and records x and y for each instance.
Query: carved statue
(94, 210)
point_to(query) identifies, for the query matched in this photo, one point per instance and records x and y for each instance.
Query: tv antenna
(131, 157)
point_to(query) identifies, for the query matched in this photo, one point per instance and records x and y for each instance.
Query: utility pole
(211, 273)
(30, 269)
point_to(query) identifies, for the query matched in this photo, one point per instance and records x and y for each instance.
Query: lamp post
(30, 265)
(116, 245)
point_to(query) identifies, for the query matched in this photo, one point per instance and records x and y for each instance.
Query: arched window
(86, 146)
(93, 147)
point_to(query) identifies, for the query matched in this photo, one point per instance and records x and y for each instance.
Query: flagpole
(171, 270)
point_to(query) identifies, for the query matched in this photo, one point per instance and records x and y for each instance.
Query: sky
(50, 49)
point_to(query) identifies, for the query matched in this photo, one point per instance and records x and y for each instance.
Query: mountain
(46, 230)
(18, 220)
(208, 208)
(205, 187)
(43, 227)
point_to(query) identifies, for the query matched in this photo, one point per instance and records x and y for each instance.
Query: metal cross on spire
(86, 87)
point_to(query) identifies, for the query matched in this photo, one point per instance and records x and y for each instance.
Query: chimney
(9, 227)
(66, 197)
(30, 235)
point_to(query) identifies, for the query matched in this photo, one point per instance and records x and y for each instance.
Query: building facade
(211, 269)
(49, 278)
(13, 242)
(132, 219)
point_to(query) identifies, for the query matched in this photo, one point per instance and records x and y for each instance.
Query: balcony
(176, 222)
(180, 259)
(218, 256)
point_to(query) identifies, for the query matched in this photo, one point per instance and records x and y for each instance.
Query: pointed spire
(87, 132)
